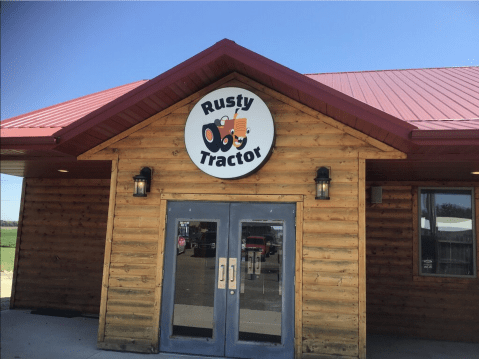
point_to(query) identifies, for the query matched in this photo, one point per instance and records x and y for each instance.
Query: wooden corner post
(415, 231)
(362, 257)
(17, 245)
(298, 305)
(159, 273)
(107, 258)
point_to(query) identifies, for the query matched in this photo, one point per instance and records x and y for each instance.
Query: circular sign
(229, 133)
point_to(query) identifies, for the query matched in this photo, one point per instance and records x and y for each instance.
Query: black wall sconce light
(322, 183)
(142, 182)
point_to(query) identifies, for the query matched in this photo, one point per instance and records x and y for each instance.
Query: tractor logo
(229, 133)
(225, 133)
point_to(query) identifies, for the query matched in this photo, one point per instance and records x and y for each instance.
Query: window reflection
(447, 238)
(195, 279)
(261, 282)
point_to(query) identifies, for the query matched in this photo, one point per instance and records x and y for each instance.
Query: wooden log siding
(60, 258)
(399, 302)
(305, 140)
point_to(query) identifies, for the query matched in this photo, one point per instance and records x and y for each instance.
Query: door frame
(212, 212)
(298, 281)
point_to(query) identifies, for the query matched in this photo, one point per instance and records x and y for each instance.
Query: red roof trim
(131, 98)
(218, 61)
(327, 94)
(28, 142)
(445, 134)
(224, 57)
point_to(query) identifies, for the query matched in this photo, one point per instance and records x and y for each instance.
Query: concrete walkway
(6, 288)
(30, 336)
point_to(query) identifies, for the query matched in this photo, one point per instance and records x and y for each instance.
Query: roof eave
(418, 135)
(133, 97)
(226, 57)
(41, 142)
(453, 145)
(295, 83)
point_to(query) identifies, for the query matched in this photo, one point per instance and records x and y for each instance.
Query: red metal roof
(431, 99)
(211, 65)
(415, 111)
(47, 121)
(28, 142)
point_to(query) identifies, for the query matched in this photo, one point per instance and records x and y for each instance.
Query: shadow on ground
(30, 336)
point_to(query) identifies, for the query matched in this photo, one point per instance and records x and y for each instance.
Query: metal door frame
(224, 341)
(269, 212)
(181, 211)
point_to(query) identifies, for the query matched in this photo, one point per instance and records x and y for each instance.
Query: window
(447, 243)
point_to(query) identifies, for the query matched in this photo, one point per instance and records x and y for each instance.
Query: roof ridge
(419, 68)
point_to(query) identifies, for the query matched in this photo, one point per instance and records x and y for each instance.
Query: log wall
(332, 252)
(399, 301)
(61, 245)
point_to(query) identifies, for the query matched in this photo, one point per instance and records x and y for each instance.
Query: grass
(9, 237)
(8, 258)
(8, 243)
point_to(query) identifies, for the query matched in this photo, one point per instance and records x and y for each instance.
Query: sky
(53, 52)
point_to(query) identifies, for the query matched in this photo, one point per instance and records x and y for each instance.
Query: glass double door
(228, 286)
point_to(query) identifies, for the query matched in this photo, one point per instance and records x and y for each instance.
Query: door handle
(257, 263)
(232, 274)
(221, 273)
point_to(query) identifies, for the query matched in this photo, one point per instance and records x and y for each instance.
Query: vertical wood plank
(298, 332)
(19, 239)
(362, 257)
(415, 232)
(159, 273)
(109, 237)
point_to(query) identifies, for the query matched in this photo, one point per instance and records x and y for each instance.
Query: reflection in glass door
(192, 308)
(260, 312)
(195, 281)
(228, 284)
(261, 282)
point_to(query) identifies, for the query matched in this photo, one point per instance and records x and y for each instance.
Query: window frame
(417, 229)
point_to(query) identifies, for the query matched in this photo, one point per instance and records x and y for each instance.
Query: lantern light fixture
(142, 182)
(322, 183)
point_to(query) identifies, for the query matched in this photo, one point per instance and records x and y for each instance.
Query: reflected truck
(205, 246)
